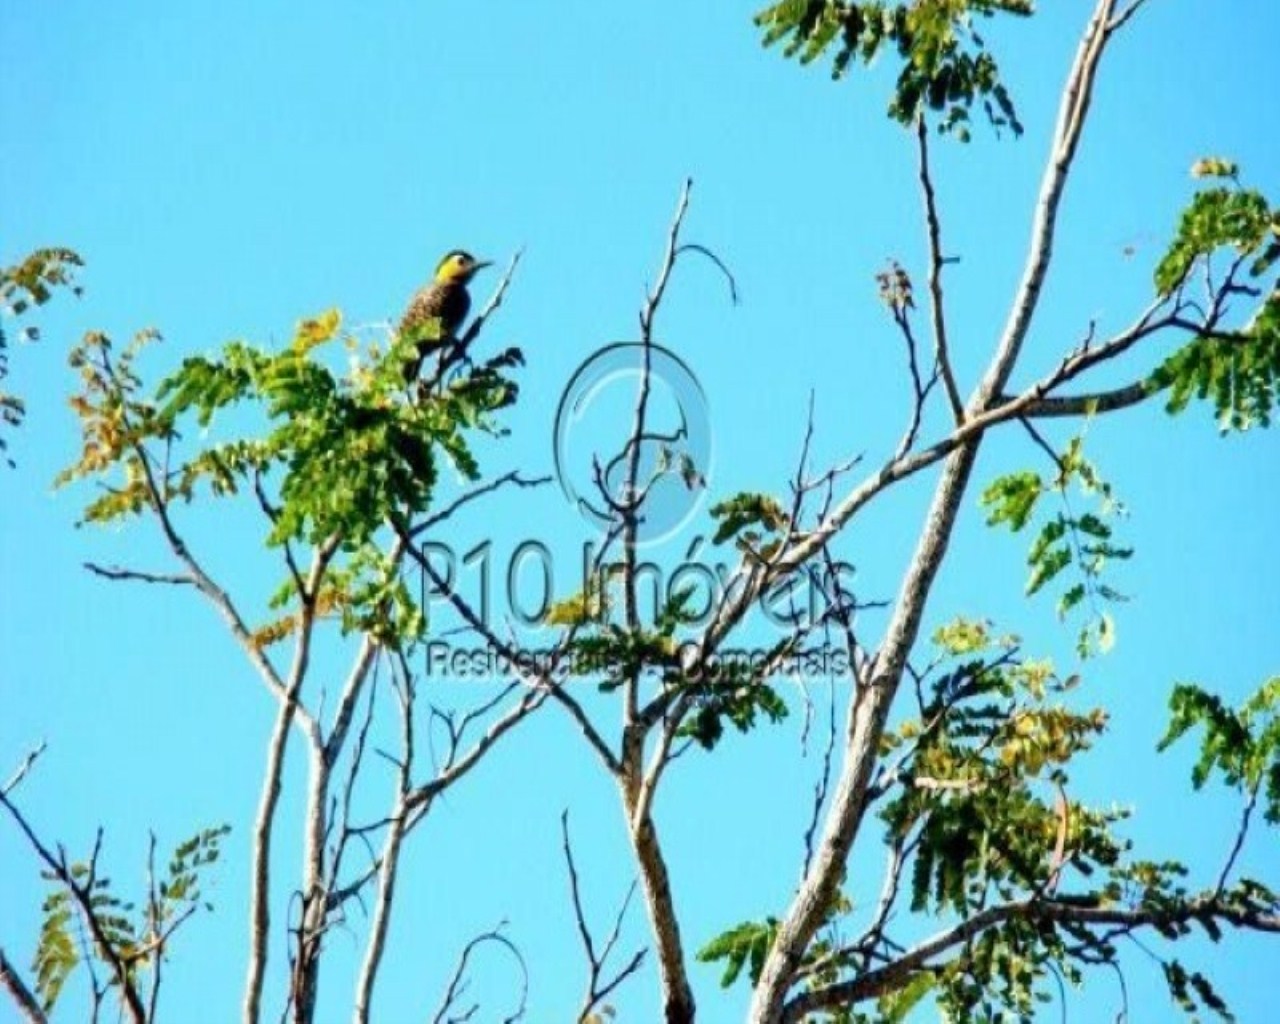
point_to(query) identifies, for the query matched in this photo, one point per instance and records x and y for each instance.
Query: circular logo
(596, 441)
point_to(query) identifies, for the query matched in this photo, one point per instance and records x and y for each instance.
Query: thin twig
(21, 771)
(598, 989)
(458, 981)
(942, 355)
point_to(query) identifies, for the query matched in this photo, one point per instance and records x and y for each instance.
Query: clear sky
(226, 168)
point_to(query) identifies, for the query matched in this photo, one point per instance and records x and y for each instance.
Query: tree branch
(20, 993)
(458, 981)
(942, 355)
(870, 708)
(597, 988)
(875, 983)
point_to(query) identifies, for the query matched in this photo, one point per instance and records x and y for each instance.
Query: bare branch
(21, 771)
(12, 982)
(1087, 405)
(136, 575)
(941, 353)
(821, 786)
(544, 679)
(1118, 22)
(1238, 843)
(390, 859)
(598, 989)
(458, 982)
(494, 301)
(1071, 121)
(636, 787)
(631, 497)
(513, 477)
(288, 711)
(702, 250)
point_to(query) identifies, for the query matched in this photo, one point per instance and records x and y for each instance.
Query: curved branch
(875, 983)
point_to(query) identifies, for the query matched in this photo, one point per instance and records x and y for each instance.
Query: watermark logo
(595, 438)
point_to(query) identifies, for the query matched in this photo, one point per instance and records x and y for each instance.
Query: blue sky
(228, 168)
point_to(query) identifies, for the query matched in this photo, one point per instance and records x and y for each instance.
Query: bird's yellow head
(459, 266)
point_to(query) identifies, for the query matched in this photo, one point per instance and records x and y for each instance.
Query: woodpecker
(446, 300)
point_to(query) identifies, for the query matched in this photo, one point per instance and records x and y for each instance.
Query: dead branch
(599, 987)
(458, 982)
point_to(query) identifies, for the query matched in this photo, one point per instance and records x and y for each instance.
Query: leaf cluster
(1066, 539)
(737, 694)
(1238, 371)
(746, 515)
(1242, 746)
(27, 284)
(945, 66)
(331, 457)
(83, 916)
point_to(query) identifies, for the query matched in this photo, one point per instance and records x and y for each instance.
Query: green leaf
(1239, 373)
(1217, 217)
(1012, 498)
(745, 510)
(746, 945)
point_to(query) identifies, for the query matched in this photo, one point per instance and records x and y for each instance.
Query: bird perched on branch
(444, 300)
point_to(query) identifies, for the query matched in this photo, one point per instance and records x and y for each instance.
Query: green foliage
(966, 809)
(1066, 539)
(588, 605)
(609, 650)
(331, 458)
(734, 690)
(965, 636)
(945, 65)
(1243, 746)
(970, 760)
(745, 515)
(1238, 370)
(352, 452)
(745, 945)
(371, 597)
(979, 805)
(1012, 498)
(23, 286)
(83, 912)
(1191, 991)
(56, 957)
(737, 694)
(181, 888)
(1220, 217)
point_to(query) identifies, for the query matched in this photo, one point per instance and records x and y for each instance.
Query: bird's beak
(480, 265)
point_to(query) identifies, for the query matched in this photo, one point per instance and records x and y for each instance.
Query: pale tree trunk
(870, 711)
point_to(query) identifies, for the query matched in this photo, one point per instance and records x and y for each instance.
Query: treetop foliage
(332, 457)
(946, 67)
